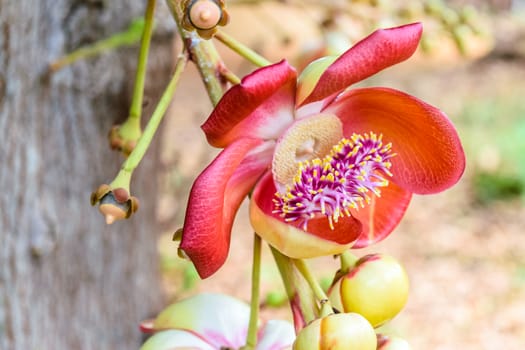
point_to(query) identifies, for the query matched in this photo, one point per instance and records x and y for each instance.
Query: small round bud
(348, 331)
(114, 203)
(120, 143)
(391, 343)
(204, 14)
(377, 288)
(112, 209)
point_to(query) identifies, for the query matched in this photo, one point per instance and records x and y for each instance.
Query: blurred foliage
(495, 186)
(180, 274)
(275, 298)
(494, 135)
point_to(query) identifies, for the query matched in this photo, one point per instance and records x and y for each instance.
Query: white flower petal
(276, 335)
(219, 319)
(175, 340)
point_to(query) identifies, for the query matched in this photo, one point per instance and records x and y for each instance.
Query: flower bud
(347, 331)
(204, 16)
(392, 343)
(377, 288)
(123, 143)
(310, 76)
(114, 203)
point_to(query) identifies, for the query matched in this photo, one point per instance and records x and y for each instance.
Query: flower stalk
(241, 49)
(144, 141)
(251, 338)
(302, 301)
(319, 293)
(131, 129)
(128, 37)
(348, 261)
(203, 54)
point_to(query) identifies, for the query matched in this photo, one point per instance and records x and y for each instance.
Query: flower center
(340, 181)
(306, 139)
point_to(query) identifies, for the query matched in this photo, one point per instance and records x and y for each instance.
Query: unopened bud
(120, 143)
(204, 16)
(310, 76)
(391, 343)
(347, 331)
(114, 204)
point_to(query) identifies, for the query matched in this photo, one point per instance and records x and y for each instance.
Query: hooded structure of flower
(330, 168)
(213, 322)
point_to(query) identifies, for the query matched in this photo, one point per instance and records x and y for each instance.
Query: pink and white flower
(213, 322)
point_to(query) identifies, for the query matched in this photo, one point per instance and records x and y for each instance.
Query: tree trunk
(68, 281)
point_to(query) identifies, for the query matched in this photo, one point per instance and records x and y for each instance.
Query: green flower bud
(348, 331)
(310, 76)
(377, 288)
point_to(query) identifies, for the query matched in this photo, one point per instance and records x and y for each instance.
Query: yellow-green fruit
(347, 331)
(377, 288)
(392, 343)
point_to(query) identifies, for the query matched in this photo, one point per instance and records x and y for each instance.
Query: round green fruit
(346, 331)
(377, 288)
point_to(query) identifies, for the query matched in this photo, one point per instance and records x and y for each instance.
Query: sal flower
(329, 168)
(212, 322)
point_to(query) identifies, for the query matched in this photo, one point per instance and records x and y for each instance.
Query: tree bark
(68, 281)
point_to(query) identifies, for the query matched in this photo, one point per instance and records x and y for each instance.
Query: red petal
(382, 49)
(215, 198)
(259, 107)
(291, 240)
(429, 157)
(382, 215)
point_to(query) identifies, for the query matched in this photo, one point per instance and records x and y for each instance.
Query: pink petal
(429, 157)
(260, 106)
(276, 335)
(215, 198)
(290, 239)
(382, 49)
(382, 215)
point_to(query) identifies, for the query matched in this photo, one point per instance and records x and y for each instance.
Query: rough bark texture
(68, 281)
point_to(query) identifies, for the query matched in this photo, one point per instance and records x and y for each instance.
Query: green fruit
(377, 288)
(392, 343)
(348, 331)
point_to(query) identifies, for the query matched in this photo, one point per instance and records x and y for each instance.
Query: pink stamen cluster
(337, 183)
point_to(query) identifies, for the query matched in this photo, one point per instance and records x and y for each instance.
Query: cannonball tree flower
(329, 167)
(212, 322)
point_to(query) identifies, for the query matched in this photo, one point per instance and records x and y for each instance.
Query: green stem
(133, 121)
(310, 279)
(241, 49)
(145, 140)
(348, 261)
(122, 180)
(129, 37)
(203, 54)
(326, 307)
(251, 339)
(230, 76)
(301, 299)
